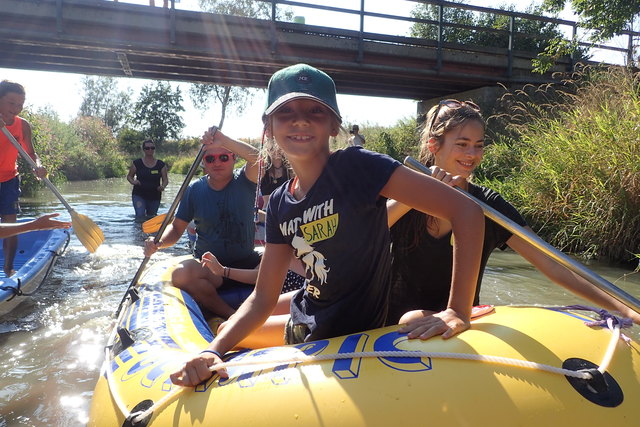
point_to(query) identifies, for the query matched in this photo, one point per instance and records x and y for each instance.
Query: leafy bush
(130, 142)
(84, 149)
(398, 141)
(47, 130)
(92, 151)
(181, 165)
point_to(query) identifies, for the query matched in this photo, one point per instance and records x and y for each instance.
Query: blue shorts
(9, 194)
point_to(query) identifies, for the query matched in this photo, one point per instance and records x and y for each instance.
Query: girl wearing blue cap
(333, 217)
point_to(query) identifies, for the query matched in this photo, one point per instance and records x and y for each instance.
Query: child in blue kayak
(333, 217)
(12, 97)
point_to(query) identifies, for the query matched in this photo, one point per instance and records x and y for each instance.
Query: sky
(62, 92)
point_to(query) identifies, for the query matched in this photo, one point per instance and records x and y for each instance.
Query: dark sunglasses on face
(224, 158)
(451, 103)
(149, 148)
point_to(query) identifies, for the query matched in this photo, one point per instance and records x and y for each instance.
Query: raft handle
(125, 338)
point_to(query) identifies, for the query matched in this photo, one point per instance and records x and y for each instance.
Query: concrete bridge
(99, 37)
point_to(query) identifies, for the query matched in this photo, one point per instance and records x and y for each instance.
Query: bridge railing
(371, 20)
(368, 17)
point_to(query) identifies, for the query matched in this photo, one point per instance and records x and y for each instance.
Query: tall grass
(568, 157)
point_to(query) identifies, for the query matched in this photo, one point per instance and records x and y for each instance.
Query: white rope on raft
(305, 359)
(615, 336)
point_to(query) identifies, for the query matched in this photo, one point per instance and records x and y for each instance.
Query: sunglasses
(224, 158)
(149, 148)
(450, 103)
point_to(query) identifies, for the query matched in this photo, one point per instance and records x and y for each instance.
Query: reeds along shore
(569, 158)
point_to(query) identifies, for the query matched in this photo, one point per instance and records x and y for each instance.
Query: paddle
(86, 230)
(543, 246)
(166, 219)
(152, 225)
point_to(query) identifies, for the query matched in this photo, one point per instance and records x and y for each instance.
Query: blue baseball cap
(301, 81)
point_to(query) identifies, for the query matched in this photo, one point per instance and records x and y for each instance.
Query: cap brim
(296, 95)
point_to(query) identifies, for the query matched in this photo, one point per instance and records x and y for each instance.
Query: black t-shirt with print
(421, 275)
(339, 231)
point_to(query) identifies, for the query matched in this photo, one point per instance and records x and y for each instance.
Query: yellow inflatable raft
(515, 366)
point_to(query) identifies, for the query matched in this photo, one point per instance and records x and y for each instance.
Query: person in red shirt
(12, 96)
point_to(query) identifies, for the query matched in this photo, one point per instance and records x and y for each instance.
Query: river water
(51, 346)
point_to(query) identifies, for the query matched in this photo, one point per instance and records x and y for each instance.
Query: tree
(231, 97)
(157, 111)
(607, 18)
(524, 29)
(248, 8)
(228, 96)
(102, 99)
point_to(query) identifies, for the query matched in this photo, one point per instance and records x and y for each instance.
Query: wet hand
(447, 323)
(446, 177)
(197, 370)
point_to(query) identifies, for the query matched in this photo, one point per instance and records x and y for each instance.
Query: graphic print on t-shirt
(318, 223)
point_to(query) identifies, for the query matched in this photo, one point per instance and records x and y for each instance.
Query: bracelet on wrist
(225, 272)
(212, 352)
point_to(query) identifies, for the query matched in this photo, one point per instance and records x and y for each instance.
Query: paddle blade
(87, 231)
(153, 225)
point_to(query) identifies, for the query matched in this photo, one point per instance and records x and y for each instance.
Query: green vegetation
(468, 27)
(569, 159)
(607, 18)
(398, 141)
(84, 149)
(567, 155)
(157, 111)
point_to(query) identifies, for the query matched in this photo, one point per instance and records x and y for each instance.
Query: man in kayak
(221, 204)
(12, 97)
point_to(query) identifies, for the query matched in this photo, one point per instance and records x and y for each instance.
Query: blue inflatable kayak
(35, 256)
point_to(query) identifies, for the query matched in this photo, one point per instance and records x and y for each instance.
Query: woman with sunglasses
(145, 175)
(452, 144)
(221, 204)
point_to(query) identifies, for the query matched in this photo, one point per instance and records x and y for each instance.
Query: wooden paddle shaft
(599, 282)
